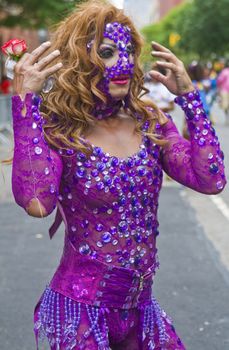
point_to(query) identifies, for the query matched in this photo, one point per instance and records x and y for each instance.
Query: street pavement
(192, 284)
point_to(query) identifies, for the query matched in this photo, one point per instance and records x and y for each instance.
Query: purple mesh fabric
(36, 168)
(197, 164)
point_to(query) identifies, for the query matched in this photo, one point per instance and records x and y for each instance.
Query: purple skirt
(92, 305)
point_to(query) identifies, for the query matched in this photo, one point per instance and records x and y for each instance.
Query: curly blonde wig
(71, 100)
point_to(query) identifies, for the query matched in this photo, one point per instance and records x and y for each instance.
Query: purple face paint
(121, 36)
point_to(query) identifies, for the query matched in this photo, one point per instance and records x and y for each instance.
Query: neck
(109, 109)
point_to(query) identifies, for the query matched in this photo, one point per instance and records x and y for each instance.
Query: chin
(118, 96)
(119, 93)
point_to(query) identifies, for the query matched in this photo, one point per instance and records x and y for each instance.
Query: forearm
(197, 163)
(36, 168)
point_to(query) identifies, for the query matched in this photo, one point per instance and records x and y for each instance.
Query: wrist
(191, 104)
(25, 93)
(186, 90)
(25, 106)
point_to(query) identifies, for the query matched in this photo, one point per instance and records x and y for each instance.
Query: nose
(124, 55)
(124, 58)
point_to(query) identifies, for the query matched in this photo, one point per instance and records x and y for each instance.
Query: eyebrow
(114, 46)
(108, 44)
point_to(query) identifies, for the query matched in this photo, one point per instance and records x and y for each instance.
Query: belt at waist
(88, 280)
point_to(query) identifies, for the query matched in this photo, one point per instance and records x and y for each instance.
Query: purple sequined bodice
(111, 204)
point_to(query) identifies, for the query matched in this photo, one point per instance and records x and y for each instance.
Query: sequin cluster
(38, 123)
(204, 133)
(121, 36)
(60, 323)
(132, 185)
(153, 314)
(36, 169)
(59, 318)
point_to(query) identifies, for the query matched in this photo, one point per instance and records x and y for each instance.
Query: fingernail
(56, 52)
(47, 42)
(60, 64)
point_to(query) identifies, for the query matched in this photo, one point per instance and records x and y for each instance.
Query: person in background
(210, 85)
(5, 86)
(197, 74)
(223, 89)
(200, 80)
(158, 93)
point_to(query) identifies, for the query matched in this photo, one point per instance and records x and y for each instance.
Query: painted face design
(122, 68)
(121, 36)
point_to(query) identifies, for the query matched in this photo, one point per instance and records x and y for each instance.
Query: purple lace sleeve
(197, 163)
(37, 169)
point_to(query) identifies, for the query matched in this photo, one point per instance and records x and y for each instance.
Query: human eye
(105, 52)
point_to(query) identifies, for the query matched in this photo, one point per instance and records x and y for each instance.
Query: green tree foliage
(161, 31)
(34, 13)
(205, 28)
(202, 27)
(169, 24)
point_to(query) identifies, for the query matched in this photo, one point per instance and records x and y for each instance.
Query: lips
(121, 79)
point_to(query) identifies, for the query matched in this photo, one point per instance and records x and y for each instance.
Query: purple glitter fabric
(109, 206)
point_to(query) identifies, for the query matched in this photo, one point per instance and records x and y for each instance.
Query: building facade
(142, 12)
(166, 5)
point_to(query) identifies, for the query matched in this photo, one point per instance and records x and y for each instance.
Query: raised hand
(30, 72)
(176, 79)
